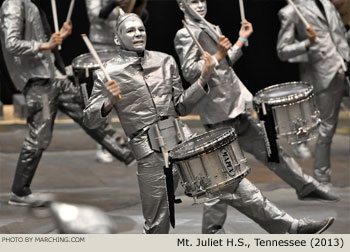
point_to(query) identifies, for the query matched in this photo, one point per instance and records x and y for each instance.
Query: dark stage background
(258, 68)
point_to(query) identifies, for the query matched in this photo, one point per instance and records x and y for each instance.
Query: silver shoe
(301, 151)
(32, 200)
(103, 156)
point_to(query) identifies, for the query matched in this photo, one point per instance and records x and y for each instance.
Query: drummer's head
(130, 33)
(198, 5)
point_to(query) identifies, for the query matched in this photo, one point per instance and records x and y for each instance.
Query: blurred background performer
(343, 6)
(103, 16)
(227, 105)
(322, 64)
(37, 70)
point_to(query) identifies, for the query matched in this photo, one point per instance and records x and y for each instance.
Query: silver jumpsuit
(34, 73)
(227, 105)
(151, 92)
(320, 65)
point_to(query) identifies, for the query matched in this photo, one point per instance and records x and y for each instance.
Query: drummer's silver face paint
(132, 35)
(200, 6)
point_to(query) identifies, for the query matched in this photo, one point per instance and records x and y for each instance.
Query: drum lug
(301, 132)
(316, 116)
(299, 126)
(204, 182)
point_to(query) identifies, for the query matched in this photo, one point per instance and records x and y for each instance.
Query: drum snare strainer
(294, 112)
(210, 162)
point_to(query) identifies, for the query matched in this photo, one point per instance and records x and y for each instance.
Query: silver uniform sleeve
(234, 54)
(92, 113)
(287, 45)
(184, 100)
(189, 56)
(12, 28)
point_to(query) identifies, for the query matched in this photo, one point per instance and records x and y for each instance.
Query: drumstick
(70, 11)
(241, 9)
(197, 42)
(97, 58)
(202, 19)
(300, 15)
(162, 146)
(55, 20)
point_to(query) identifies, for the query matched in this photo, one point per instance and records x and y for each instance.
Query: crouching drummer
(152, 95)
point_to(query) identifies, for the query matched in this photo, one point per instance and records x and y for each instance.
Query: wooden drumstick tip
(83, 35)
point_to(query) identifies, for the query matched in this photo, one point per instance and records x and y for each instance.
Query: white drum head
(283, 93)
(86, 60)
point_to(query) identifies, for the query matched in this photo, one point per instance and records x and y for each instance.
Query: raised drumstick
(55, 19)
(241, 9)
(300, 15)
(70, 11)
(97, 58)
(196, 42)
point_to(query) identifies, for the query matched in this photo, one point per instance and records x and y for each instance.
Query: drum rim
(284, 99)
(228, 136)
(95, 65)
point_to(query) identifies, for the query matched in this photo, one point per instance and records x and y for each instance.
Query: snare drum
(210, 162)
(83, 67)
(291, 109)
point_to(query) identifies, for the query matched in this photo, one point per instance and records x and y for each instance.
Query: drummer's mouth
(139, 42)
(201, 12)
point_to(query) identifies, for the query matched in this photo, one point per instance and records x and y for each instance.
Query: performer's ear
(181, 5)
(116, 40)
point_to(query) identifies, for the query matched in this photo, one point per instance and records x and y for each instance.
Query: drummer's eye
(130, 30)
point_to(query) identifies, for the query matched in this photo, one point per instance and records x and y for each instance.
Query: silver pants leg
(247, 199)
(250, 138)
(153, 193)
(65, 96)
(328, 102)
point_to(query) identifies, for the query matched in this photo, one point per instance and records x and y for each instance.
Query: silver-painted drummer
(228, 105)
(316, 39)
(152, 99)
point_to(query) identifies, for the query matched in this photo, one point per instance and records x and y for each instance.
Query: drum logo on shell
(227, 162)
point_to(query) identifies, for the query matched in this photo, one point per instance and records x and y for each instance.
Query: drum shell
(294, 117)
(297, 121)
(206, 175)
